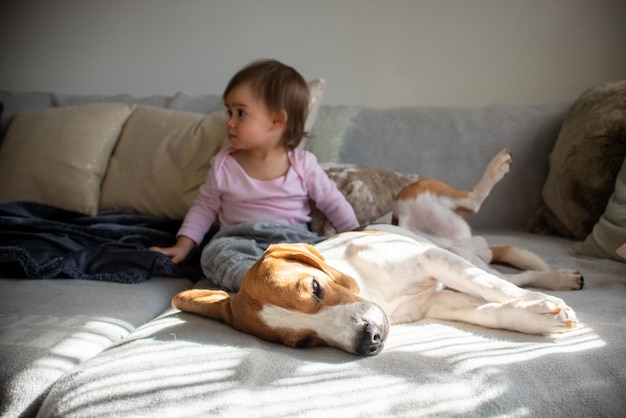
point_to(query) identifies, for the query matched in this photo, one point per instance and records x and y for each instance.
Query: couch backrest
(450, 144)
(453, 145)
(15, 102)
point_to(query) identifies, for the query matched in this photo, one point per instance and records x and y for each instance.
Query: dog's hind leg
(458, 274)
(538, 273)
(497, 168)
(433, 196)
(561, 279)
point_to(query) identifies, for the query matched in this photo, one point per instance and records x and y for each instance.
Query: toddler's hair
(281, 88)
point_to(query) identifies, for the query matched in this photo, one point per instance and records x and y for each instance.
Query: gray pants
(232, 251)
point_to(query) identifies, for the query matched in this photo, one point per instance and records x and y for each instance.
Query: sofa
(87, 183)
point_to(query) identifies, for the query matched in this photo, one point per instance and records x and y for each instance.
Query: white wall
(372, 52)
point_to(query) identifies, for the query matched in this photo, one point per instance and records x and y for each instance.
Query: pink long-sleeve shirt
(232, 197)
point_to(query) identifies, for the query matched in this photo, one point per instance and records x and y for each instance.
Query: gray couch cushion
(15, 102)
(187, 365)
(200, 104)
(48, 327)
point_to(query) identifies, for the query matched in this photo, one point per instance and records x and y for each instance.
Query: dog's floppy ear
(308, 254)
(214, 304)
(305, 253)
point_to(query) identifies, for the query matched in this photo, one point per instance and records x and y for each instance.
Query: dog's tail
(518, 257)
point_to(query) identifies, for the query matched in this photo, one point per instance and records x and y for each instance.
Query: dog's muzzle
(373, 332)
(372, 340)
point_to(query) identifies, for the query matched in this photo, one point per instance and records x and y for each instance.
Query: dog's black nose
(371, 341)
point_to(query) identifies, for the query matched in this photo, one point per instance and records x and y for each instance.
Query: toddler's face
(250, 124)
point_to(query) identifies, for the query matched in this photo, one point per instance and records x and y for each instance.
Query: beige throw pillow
(160, 161)
(59, 156)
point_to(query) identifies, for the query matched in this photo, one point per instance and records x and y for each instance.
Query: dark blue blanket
(42, 242)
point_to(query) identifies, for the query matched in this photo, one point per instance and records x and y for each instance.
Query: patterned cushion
(369, 190)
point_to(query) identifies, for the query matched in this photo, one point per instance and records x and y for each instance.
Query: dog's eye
(304, 343)
(317, 289)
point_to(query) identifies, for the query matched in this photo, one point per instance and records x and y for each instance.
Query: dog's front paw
(546, 317)
(531, 295)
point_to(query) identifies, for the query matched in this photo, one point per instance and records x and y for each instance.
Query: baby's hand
(178, 252)
(175, 254)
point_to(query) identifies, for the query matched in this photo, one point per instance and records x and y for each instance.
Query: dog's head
(291, 296)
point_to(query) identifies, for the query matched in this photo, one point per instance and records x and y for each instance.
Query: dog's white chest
(387, 269)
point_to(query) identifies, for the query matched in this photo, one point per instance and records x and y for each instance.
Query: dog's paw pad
(555, 310)
(572, 279)
(561, 279)
(566, 279)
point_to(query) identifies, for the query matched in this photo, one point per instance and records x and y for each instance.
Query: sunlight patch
(469, 351)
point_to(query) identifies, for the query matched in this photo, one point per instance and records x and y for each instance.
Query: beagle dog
(433, 209)
(345, 291)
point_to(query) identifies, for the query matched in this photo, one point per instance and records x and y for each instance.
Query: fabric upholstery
(47, 327)
(181, 364)
(161, 160)
(584, 163)
(316, 91)
(609, 233)
(455, 145)
(369, 190)
(327, 136)
(188, 365)
(59, 156)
